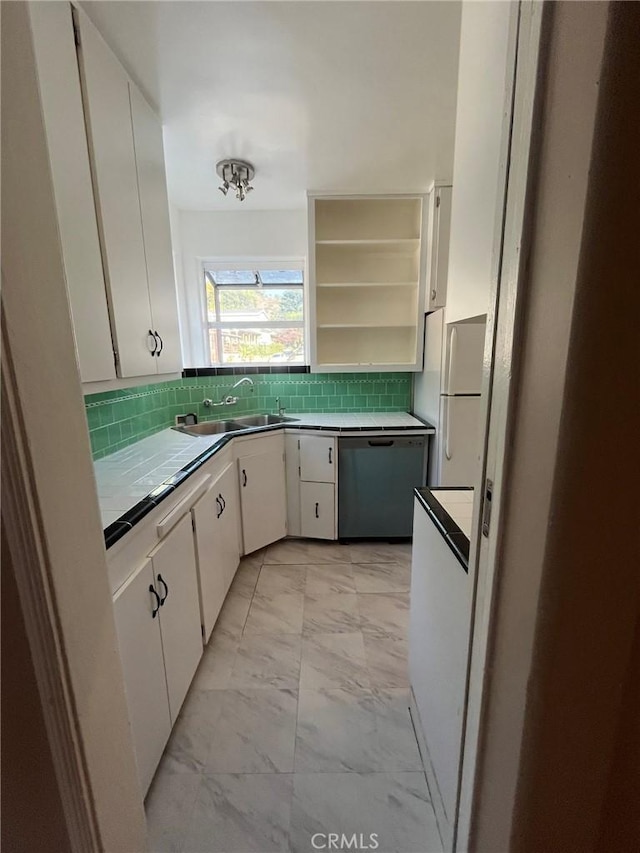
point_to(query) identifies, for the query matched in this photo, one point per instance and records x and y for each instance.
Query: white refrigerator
(447, 394)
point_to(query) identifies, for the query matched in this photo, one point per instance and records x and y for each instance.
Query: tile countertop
(133, 480)
(451, 510)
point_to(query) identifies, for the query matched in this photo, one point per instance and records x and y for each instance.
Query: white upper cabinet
(366, 264)
(483, 116)
(154, 207)
(60, 95)
(439, 204)
(125, 143)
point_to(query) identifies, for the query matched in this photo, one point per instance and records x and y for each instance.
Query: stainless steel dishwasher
(376, 478)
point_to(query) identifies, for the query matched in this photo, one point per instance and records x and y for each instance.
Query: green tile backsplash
(118, 418)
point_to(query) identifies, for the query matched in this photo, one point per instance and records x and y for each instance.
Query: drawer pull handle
(317, 513)
(219, 513)
(244, 478)
(223, 502)
(330, 454)
(160, 341)
(151, 335)
(152, 590)
(166, 590)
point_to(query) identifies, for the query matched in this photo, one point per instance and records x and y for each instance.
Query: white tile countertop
(128, 476)
(451, 510)
(459, 504)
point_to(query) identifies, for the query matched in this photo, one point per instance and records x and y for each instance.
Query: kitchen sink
(236, 425)
(209, 428)
(262, 420)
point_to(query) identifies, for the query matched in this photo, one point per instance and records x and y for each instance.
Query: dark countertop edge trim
(115, 531)
(457, 541)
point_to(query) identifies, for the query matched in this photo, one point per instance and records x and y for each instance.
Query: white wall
(238, 234)
(477, 183)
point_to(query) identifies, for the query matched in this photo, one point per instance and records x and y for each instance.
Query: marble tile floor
(297, 720)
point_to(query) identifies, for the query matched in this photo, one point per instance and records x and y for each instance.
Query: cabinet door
(175, 573)
(216, 533)
(111, 145)
(57, 67)
(292, 473)
(438, 253)
(230, 522)
(318, 510)
(317, 459)
(154, 207)
(262, 499)
(143, 669)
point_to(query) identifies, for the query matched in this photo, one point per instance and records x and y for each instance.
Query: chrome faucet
(229, 400)
(281, 409)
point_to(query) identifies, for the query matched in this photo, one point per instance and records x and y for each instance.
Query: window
(254, 316)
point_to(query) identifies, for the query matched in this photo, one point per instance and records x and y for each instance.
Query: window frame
(254, 264)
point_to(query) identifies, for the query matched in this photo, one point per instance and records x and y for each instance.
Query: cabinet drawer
(318, 510)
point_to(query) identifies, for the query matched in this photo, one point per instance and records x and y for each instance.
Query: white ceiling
(339, 96)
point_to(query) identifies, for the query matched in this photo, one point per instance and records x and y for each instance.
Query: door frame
(556, 76)
(50, 514)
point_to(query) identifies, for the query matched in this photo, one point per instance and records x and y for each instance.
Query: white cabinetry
(311, 478)
(154, 208)
(60, 95)
(317, 459)
(439, 225)
(439, 629)
(317, 510)
(215, 522)
(158, 625)
(367, 278)
(262, 494)
(174, 568)
(125, 143)
(140, 645)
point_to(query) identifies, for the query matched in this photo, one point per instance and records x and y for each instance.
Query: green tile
(99, 438)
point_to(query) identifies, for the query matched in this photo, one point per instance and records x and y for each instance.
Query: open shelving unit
(366, 257)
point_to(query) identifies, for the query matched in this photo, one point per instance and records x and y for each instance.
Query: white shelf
(324, 284)
(366, 326)
(409, 242)
(366, 275)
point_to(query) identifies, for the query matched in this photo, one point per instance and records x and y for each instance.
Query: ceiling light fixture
(237, 175)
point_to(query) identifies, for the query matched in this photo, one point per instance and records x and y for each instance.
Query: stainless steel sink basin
(236, 425)
(262, 420)
(209, 428)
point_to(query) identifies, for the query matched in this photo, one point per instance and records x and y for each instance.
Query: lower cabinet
(317, 510)
(215, 523)
(263, 499)
(311, 468)
(157, 616)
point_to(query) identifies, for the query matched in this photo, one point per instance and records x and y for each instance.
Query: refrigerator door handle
(452, 354)
(447, 447)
